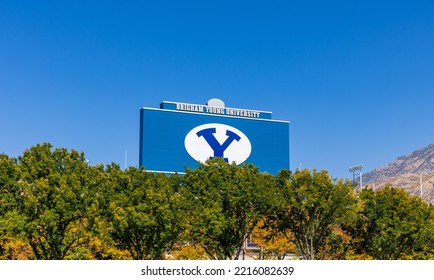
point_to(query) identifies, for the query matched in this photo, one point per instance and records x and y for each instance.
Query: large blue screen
(171, 140)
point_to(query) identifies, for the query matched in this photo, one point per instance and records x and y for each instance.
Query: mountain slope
(407, 172)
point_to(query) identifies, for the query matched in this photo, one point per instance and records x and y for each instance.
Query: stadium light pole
(358, 168)
(420, 182)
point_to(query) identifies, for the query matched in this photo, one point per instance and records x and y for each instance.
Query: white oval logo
(217, 140)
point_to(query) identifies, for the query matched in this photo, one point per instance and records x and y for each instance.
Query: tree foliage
(273, 244)
(10, 192)
(393, 225)
(53, 205)
(225, 203)
(312, 204)
(142, 212)
(53, 196)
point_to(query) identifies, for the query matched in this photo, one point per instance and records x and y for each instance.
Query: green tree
(143, 212)
(226, 201)
(394, 225)
(338, 245)
(10, 193)
(53, 196)
(274, 244)
(97, 228)
(10, 190)
(312, 204)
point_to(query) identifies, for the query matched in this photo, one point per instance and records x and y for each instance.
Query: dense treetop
(54, 205)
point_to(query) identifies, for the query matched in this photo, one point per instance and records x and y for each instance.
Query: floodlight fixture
(356, 168)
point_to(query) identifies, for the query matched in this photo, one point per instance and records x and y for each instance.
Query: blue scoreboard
(179, 135)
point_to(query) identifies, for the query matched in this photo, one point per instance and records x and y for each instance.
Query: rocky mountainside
(413, 172)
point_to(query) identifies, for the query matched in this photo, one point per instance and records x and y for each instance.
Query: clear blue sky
(354, 78)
